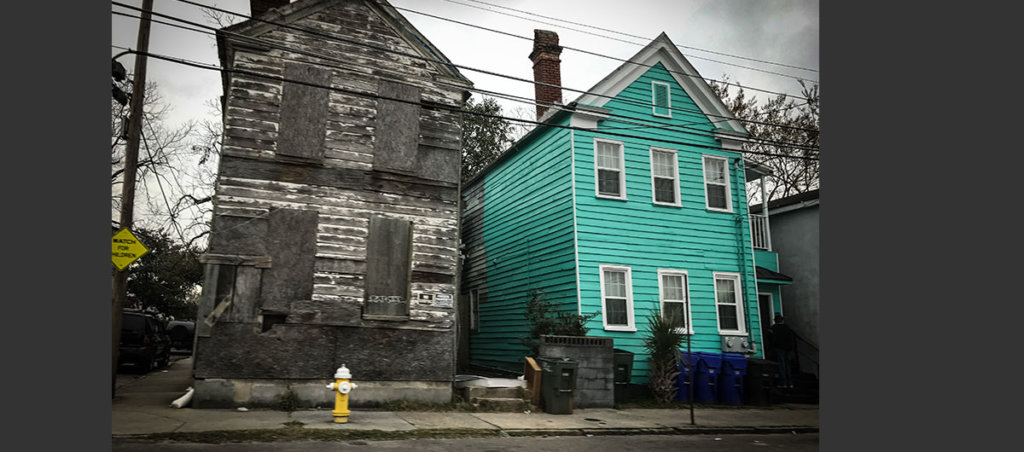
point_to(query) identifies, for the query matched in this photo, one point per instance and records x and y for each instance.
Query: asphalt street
(803, 442)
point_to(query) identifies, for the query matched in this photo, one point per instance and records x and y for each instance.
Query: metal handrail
(796, 353)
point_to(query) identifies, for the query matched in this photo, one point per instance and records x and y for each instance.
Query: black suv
(144, 342)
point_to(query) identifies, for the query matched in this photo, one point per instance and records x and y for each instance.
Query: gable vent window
(662, 99)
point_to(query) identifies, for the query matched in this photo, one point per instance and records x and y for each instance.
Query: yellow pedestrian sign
(125, 249)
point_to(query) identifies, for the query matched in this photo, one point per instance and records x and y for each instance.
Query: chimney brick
(546, 69)
(259, 7)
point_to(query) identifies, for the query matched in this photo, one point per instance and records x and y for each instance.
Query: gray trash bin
(558, 380)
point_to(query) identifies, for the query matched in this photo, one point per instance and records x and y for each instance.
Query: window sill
(628, 329)
(615, 198)
(666, 204)
(710, 209)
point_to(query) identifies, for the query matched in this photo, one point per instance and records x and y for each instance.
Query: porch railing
(759, 232)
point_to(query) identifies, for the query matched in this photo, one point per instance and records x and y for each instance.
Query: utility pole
(131, 156)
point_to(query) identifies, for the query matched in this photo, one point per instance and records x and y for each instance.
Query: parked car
(145, 344)
(182, 333)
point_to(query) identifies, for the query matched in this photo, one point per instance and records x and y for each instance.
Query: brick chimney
(546, 69)
(260, 7)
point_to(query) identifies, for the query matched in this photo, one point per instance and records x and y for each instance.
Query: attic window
(662, 99)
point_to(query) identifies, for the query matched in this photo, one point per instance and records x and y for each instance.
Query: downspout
(741, 250)
(764, 212)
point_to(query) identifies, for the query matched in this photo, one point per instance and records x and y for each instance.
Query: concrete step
(480, 392)
(502, 404)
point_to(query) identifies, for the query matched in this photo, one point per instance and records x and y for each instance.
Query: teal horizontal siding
(646, 237)
(528, 242)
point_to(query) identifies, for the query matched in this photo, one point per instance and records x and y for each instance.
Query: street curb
(197, 437)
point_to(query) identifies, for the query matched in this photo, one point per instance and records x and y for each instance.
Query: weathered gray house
(335, 229)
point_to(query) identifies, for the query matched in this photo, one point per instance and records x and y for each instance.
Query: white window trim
(728, 184)
(688, 302)
(474, 310)
(622, 169)
(675, 178)
(631, 326)
(668, 99)
(738, 287)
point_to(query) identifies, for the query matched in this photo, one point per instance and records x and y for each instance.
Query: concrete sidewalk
(142, 406)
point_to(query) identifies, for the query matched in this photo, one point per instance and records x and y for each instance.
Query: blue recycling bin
(686, 364)
(730, 379)
(705, 379)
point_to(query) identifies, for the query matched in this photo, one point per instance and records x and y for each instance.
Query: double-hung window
(661, 97)
(729, 301)
(664, 176)
(716, 183)
(617, 298)
(675, 297)
(609, 167)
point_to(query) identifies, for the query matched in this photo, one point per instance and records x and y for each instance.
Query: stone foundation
(265, 393)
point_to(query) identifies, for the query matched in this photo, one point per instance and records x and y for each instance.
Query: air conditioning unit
(737, 344)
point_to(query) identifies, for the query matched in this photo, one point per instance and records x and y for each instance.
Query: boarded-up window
(397, 129)
(388, 269)
(304, 101)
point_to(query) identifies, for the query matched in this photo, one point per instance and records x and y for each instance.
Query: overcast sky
(777, 31)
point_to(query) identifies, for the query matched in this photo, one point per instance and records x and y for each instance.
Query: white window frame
(668, 99)
(686, 293)
(738, 288)
(621, 169)
(675, 178)
(631, 325)
(474, 310)
(727, 183)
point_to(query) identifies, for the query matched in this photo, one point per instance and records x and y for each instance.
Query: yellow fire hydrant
(343, 387)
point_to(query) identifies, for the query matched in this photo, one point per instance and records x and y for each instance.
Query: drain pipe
(737, 165)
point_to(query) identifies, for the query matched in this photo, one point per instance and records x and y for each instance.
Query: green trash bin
(558, 380)
(623, 371)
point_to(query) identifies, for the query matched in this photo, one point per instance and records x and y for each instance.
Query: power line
(621, 60)
(640, 37)
(448, 63)
(625, 41)
(436, 105)
(654, 123)
(588, 52)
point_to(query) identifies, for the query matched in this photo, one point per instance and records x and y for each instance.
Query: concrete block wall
(594, 356)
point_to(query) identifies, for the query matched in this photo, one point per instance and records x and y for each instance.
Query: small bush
(543, 320)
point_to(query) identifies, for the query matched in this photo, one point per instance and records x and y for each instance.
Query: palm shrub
(662, 343)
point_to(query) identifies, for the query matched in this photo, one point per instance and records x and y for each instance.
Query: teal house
(628, 202)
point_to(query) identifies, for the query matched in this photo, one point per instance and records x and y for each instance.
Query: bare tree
(786, 128)
(175, 169)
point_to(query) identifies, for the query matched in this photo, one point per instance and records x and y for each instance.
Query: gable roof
(300, 9)
(663, 50)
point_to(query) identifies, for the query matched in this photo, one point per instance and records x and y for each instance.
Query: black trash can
(558, 380)
(622, 361)
(758, 384)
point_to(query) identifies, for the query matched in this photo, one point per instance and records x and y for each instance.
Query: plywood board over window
(397, 129)
(388, 269)
(304, 101)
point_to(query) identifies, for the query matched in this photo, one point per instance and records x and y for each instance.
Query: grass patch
(298, 433)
